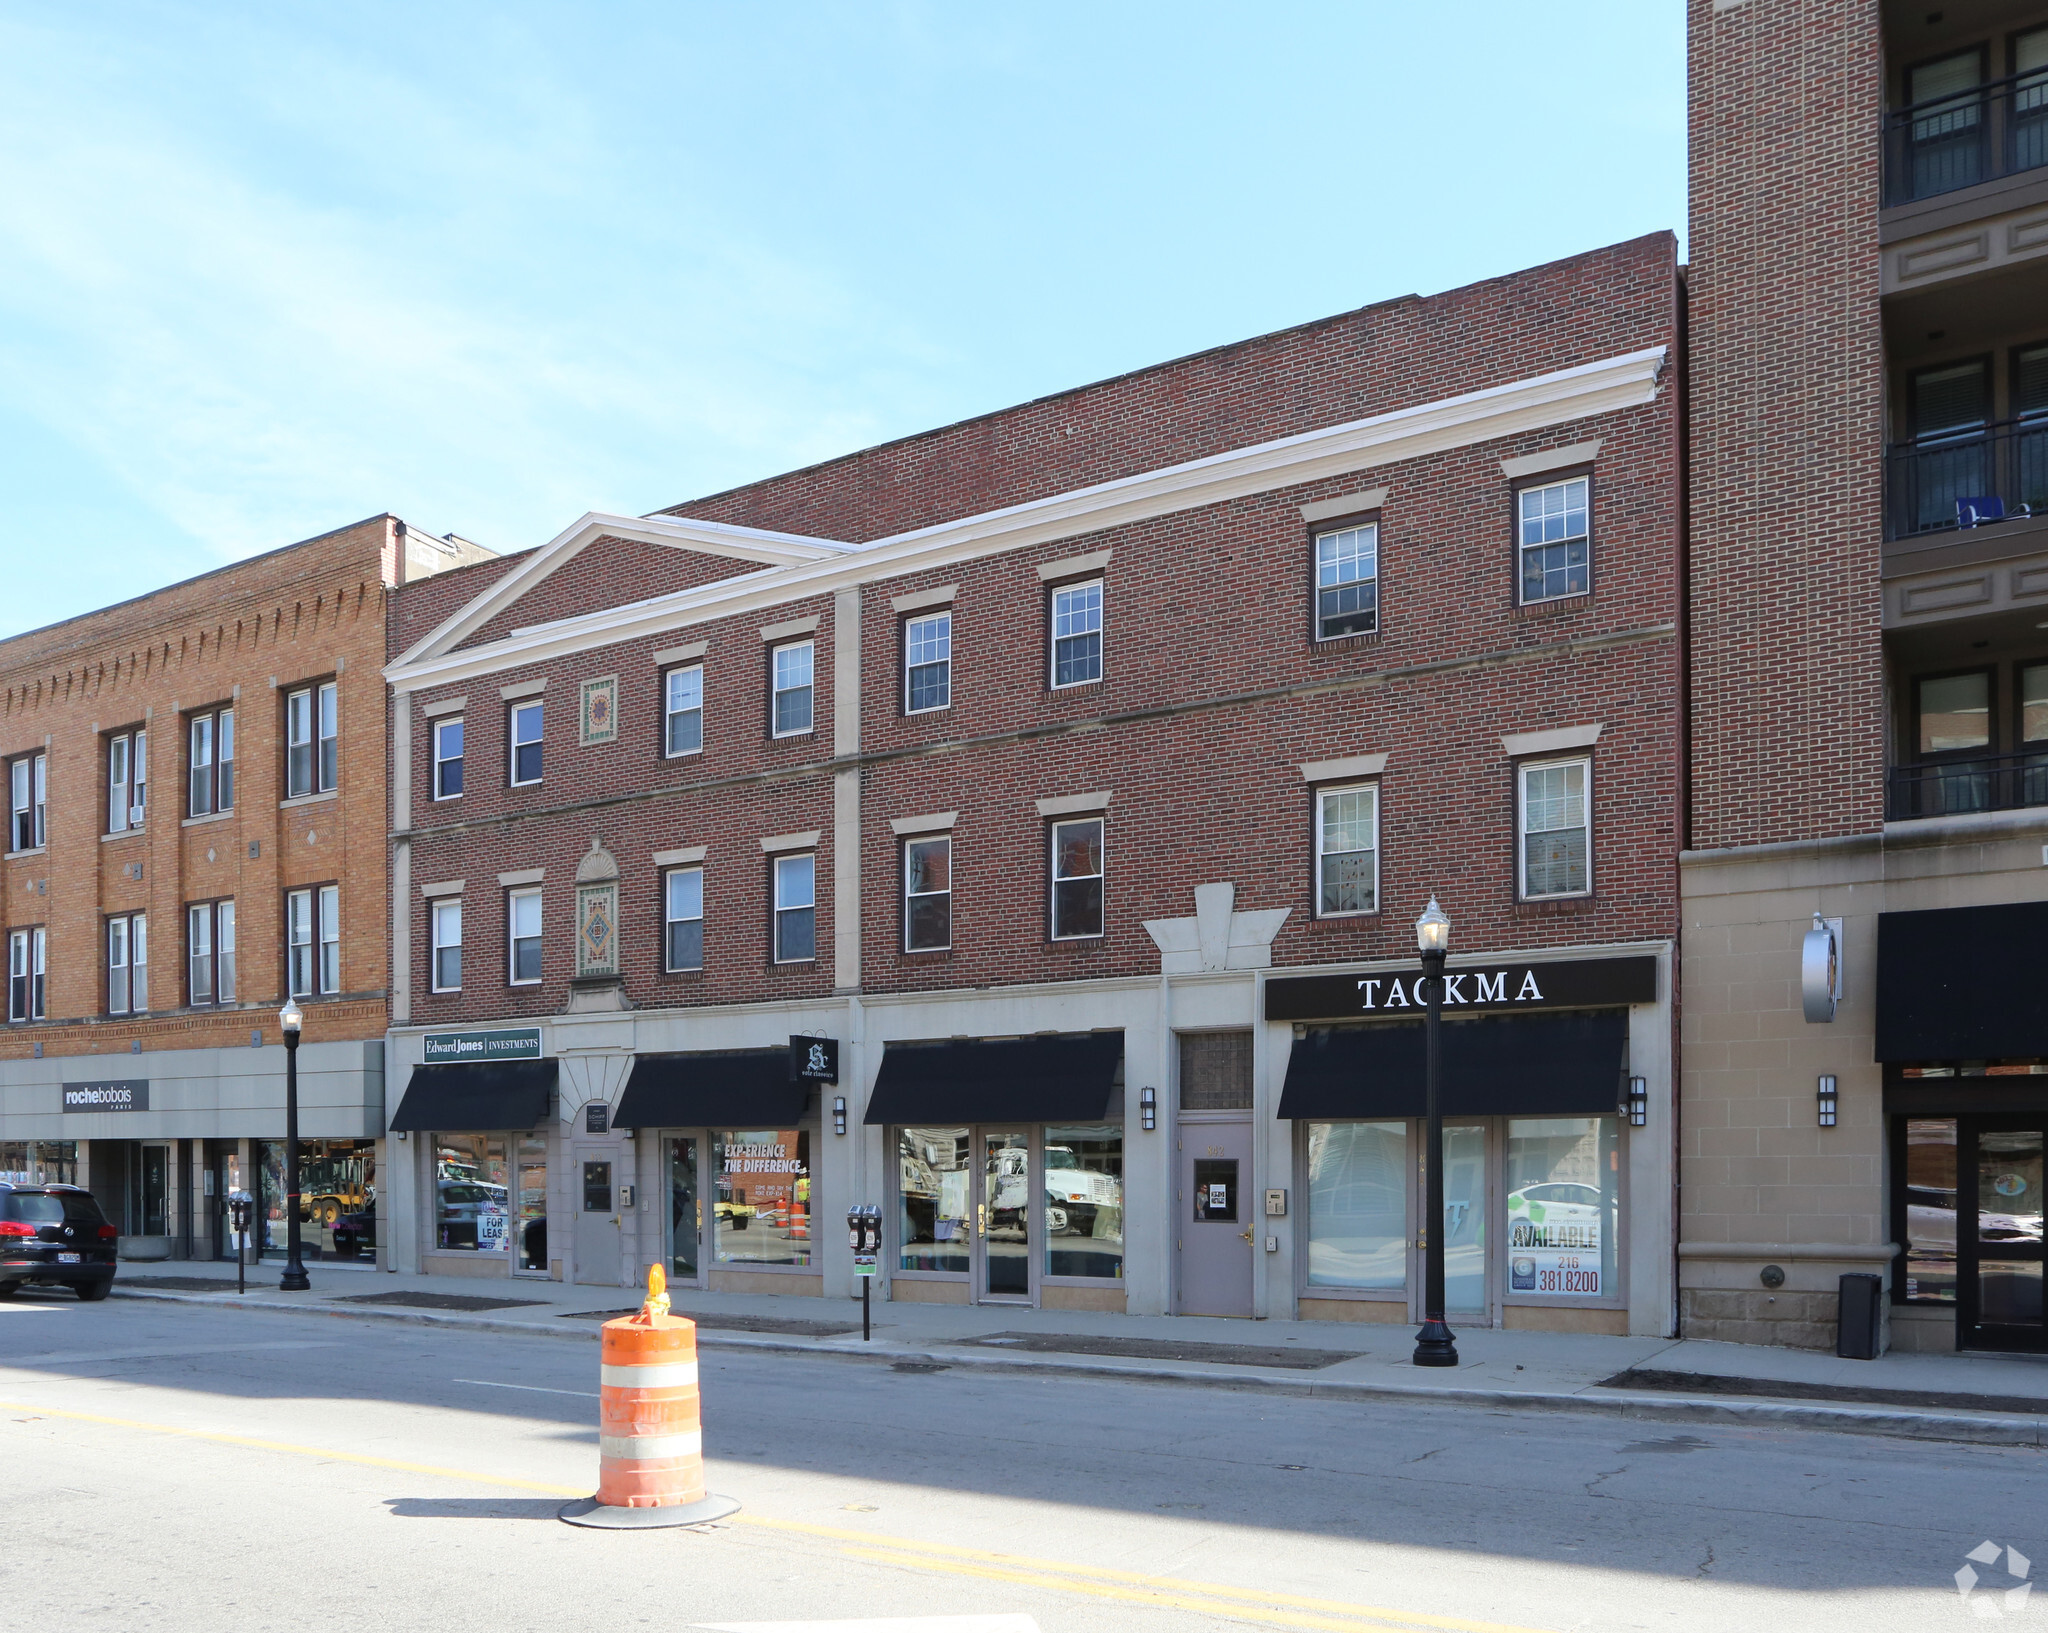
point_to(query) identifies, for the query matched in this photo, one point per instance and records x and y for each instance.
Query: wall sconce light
(839, 1114)
(1637, 1105)
(1827, 1100)
(1148, 1107)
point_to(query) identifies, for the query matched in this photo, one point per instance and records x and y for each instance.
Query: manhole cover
(441, 1301)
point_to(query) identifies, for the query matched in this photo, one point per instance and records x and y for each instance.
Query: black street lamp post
(1434, 1345)
(289, 1020)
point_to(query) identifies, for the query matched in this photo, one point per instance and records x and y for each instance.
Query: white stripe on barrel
(675, 1375)
(650, 1448)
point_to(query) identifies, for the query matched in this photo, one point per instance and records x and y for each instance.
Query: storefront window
(39, 1162)
(337, 1200)
(1564, 1206)
(685, 1211)
(533, 1203)
(932, 1182)
(472, 1202)
(1084, 1200)
(1357, 1205)
(761, 1210)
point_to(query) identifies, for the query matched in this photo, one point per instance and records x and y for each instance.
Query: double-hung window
(312, 920)
(127, 964)
(796, 908)
(928, 662)
(928, 894)
(1348, 581)
(127, 780)
(1554, 534)
(1077, 633)
(682, 917)
(1556, 828)
(1077, 879)
(312, 729)
(1347, 850)
(522, 924)
(27, 802)
(682, 710)
(525, 740)
(27, 958)
(210, 762)
(210, 953)
(790, 684)
(448, 758)
(446, 917)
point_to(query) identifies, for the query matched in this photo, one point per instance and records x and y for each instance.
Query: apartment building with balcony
(194, 783)
(1021, 827)
(1868, 607)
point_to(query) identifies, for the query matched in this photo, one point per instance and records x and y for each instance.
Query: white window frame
(670, 714)
(1099, 630)
(218, 764)
(312, 731)
(131, 809)
(131, 931)
(781, 870)
(217, 919)
(669, 919)
(439, 785)
(1330, 536)
(514, 742)
(1323, 797)
(1055, 879)
(515, 901)
(27, 964)
(1524, 769)
(440, 911)
(312, 935)
(777, 690)
(1523, 547)
(911, 664)
(911, 898)
(28, 791)
(330, 940)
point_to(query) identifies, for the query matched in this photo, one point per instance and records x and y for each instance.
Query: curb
(1621, 1405)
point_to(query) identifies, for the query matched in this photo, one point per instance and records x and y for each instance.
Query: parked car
(55, 1236)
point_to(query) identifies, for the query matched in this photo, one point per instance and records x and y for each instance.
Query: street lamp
(289, 1020)
(1434, 1345)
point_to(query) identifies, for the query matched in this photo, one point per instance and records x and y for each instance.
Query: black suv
(55, 1234)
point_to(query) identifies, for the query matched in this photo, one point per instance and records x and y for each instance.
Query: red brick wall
(1786, 421)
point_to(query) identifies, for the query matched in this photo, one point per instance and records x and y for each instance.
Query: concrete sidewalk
(1985, 1398)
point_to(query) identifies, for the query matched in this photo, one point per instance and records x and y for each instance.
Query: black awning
(1963, 983)
(736, 1088)
(1556, 1065)
(1063, 1079)
(448, 1099)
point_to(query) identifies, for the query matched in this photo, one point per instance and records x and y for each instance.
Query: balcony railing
(1948, 142)
(1987, 782)
(1945, 481)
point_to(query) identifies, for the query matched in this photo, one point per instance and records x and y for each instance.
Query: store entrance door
(1214, 1236)
(597, 1218)
(685, 1211)
(1004, 1217)
(1468, 1298)
(1999, 1181)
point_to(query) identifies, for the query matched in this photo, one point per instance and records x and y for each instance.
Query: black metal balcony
(1984, 782)
(1967, 479)
(1950, 142)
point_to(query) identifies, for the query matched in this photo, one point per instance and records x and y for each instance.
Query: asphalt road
(179, 1467)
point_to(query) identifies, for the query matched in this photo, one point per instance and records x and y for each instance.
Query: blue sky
(266, 270)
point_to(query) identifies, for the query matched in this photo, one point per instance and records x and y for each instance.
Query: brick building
(1868, 357)
(1072, 777)
(195, 799)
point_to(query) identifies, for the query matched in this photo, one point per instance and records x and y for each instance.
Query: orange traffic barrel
(650, 1468)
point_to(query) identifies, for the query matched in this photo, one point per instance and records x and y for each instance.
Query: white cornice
(817, 566)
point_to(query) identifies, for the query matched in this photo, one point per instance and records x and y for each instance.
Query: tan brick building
(195, 797)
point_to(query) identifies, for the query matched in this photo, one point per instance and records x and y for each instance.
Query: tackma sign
(1567, 984)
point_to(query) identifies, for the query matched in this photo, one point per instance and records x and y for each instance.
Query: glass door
(1003, 1215)
(530, 1192)
(1468, 1168)
(2000, 1181)
(685, 1211)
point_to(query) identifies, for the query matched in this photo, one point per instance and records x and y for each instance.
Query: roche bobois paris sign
(129, 1094)
(1576, 983)
(477, 1048)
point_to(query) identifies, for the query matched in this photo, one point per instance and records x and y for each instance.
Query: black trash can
(1856, 1333)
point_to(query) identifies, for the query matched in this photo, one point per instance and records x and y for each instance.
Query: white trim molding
(445, 705)
(792, 842)
(524, 688)
(1356, 765)
(681, 654)
(918, 600)
(524, 876)
(1556, 459)
(1345, 504)
(1073, 566)
(937, 822)
(1517, 745)
(681, 856)
(791, 628)
(1073, 804)
(447, 887)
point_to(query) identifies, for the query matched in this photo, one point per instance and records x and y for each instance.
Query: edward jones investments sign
(476, 1048)
(130, 1094)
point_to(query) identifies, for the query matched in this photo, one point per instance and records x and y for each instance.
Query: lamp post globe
(290, 1020)
(1434, 1344)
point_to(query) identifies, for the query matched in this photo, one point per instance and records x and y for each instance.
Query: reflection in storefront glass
(1357, 1205)
(337, 1200)
(1084, 1200)
(1931, 1209)
(1465, 1218)
(472, 1204)
(1564, 1206)
(533, 1203)
(932, 1181)
(685, 1219)
(761, 1207)
(39, 1162)
(2009, 1215)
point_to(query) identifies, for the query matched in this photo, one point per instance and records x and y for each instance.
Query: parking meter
(864, 1236)
(238, 1210)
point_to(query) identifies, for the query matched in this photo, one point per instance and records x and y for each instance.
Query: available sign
(474, 1048)
(1553, 1248)
(130, 1094)
(1567, 984)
